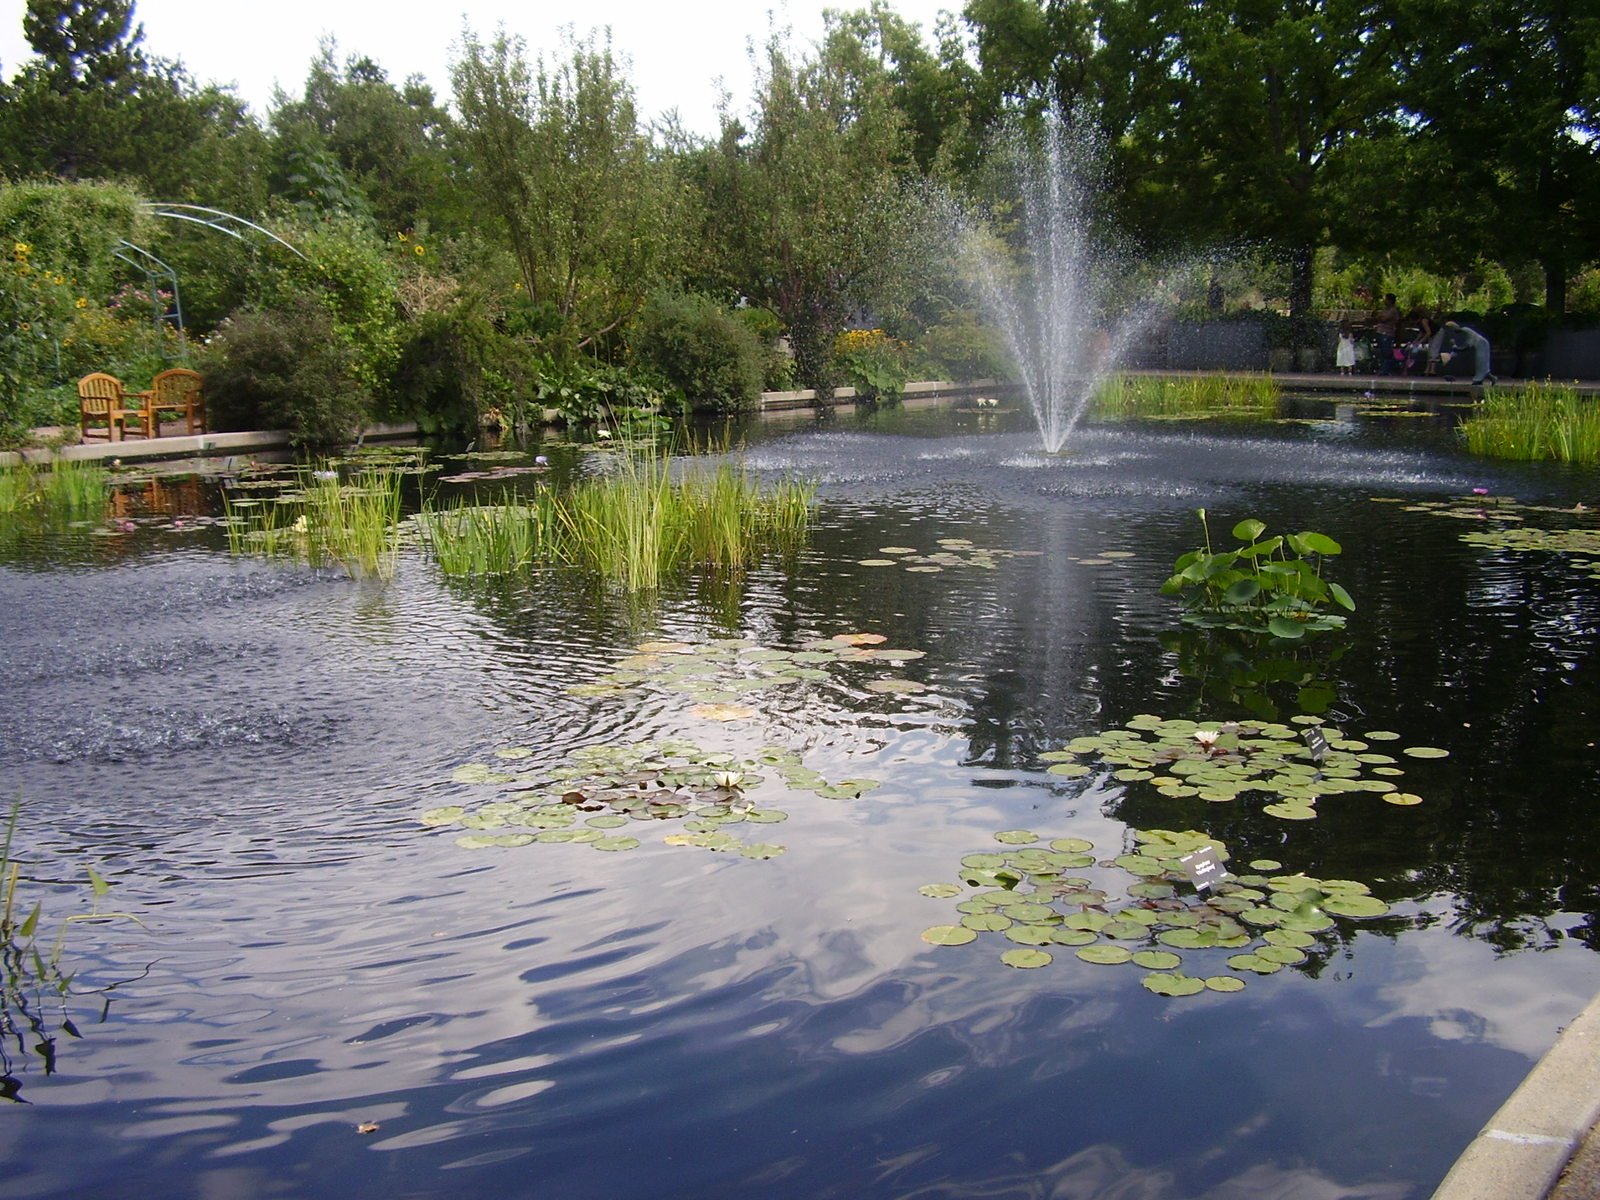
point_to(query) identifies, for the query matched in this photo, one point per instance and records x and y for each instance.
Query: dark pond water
(244, 749)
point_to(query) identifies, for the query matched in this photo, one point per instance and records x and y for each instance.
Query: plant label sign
(1203, 867)
(1317, 743)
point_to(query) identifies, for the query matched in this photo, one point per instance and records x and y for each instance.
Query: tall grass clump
(324, 521)
(488, 539)
(1247, 397)
(68, 489)
(635, 527)
(1535, 421)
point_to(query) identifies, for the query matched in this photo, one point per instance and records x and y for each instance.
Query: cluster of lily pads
(719, 672)
(953, 552)
(1580, 542)
(506, 464)
(1026, 892)
(1220, 761)
(597, 792)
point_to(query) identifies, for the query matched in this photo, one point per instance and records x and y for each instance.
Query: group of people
(1415, 346)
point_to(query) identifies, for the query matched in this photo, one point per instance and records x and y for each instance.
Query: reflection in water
(246, 747)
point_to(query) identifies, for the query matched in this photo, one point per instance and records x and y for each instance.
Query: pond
(329, 995)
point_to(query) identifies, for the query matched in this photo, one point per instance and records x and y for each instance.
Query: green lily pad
(1291, 812)
(1163, 983)
(1355, 906)
(1266, 864)
(941, 891)
(1026, 959)
(1403, 799)
(447, 815)
(1156, 960)
(1105, 955)
(1073, 937)
(615, 843)
(1224, 983)
(1016, 837)
(1031, 935)
(948, 935)
(986, 922)
(1425, 752)
(1254, 962)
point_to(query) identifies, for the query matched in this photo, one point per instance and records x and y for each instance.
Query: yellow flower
(419, 251)
(25, 327)
(402, 237)
(21, 250)
(82, 303)
(60, 279)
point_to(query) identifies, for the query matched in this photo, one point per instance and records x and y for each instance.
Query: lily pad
(1026, 959)
(948, 935)
(941, 891)
(1156, 960)
(1425, 752)
(1224, 983)
(1105, 955)
(1016, 837)
(987, 922)
(1164, 983)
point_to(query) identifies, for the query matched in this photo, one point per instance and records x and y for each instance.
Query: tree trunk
(1555, 283)
(1302, 261)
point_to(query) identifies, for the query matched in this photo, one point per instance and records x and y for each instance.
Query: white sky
(678, 51)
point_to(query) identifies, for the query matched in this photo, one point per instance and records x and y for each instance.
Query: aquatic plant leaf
(1224, 983)
(1073, 937)
(1156, 960)
(514, 752)
(1031, 935)
(1105, 955)
(1266, 864)
(1164, 983)
(1069, 770)
(1355, 906)
(1027, 959)
(615, 843)
(1016, 837)
(722, 712)
(1403, 799)
(948, 935)
(1028, 913)
(1254, 962)
(987, 922)
(448, 815)
(1425, 752)
(1071, 845)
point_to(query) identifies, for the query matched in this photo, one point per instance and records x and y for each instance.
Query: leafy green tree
(807, 207)
(1506, 97)
(1229, 119)
(555, 150)
(388, 142)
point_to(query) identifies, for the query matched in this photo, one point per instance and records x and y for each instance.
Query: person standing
(1345, 356)
(1386, 325)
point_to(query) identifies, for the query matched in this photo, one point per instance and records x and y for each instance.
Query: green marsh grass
(67, 489)
(1247, 397)
(635, 526)
(324, 521)
(1533, 422)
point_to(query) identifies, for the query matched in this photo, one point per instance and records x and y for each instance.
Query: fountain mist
(1055, 317)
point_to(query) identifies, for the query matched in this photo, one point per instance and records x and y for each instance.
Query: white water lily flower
(1207, 737)
(728, 779)
(299, 525)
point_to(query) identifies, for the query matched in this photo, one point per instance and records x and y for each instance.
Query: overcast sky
(679, 51)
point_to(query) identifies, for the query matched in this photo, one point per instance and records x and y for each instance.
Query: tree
(1506, 95)
(1228, 118)
(389, 142)
(556, 151)
(807, 208)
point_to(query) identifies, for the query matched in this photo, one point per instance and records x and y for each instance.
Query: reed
(634, 527)
(1533, 422)
(324, 521)
(1192, 397)
(68, 489)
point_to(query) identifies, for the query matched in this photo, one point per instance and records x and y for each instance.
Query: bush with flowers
(874, 363)
(36, 303)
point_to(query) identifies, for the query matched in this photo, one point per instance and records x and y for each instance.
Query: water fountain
(1062, 334)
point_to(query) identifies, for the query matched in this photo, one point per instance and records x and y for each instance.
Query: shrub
(873, 363)
(456, 368)
(701, 349)
(962, 348)
(286, 369)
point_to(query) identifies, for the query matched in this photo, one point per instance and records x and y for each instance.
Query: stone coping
(1522, 1151)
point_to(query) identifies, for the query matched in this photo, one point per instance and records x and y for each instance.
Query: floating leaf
(1156, 960)
(1425, 752)
(722, 712)
(1165, 984)
(447, 815)
(616, 843)
(1016, 837)
(1105, 955)
(948, 935)
(1026, 959)
(1224, 983)
(1355, 906)
(1031, 935)
(1403, 799)
(986, 922)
